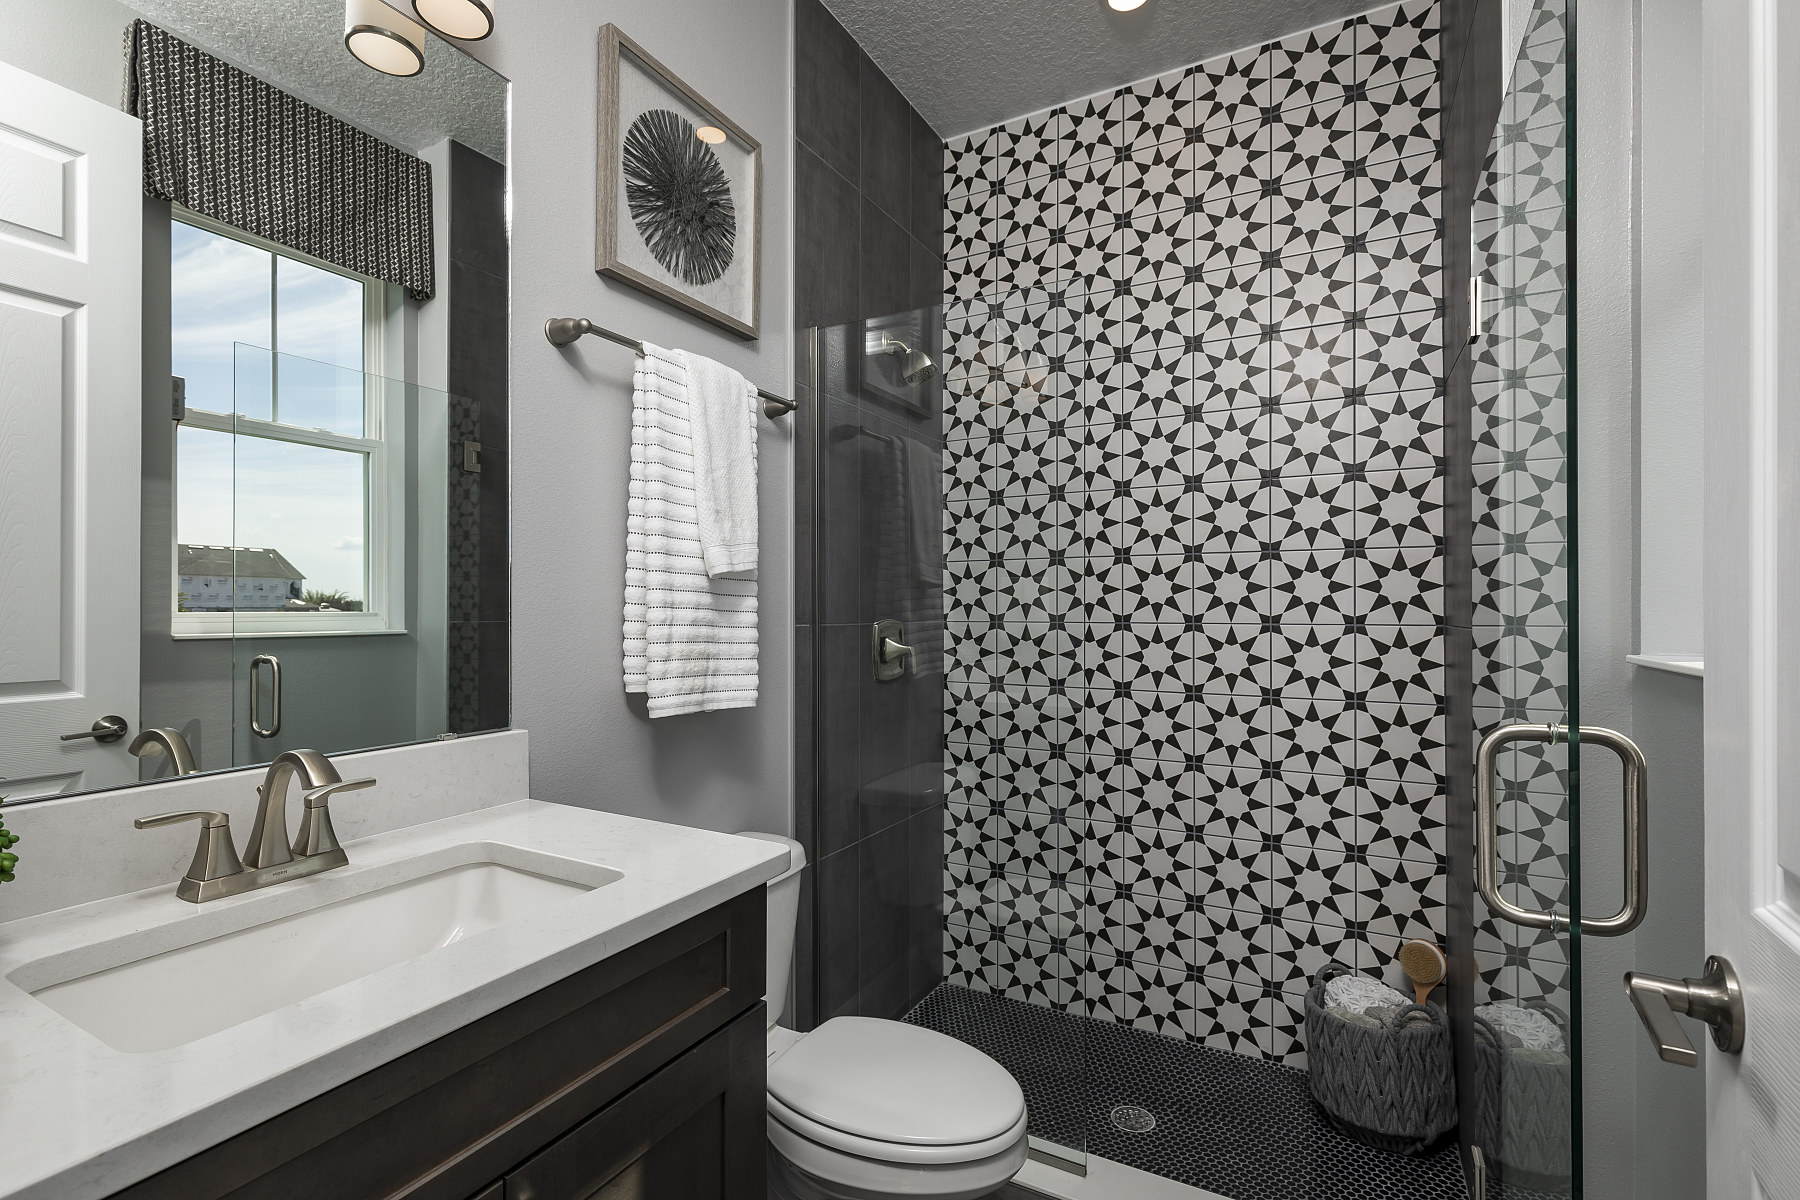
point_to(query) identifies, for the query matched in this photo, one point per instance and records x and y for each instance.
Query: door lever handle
(1714, 998)
(106, 729)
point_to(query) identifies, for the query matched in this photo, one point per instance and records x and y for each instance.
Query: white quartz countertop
(80, 1120)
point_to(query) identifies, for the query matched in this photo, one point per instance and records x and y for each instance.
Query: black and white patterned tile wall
(1520, 383)
(1194, 488)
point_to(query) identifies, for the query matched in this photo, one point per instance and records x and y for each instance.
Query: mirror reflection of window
(281, 448)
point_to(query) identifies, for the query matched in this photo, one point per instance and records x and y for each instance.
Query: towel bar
(561, 331)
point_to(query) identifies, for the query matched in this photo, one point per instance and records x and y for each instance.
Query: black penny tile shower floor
(1241, 1127)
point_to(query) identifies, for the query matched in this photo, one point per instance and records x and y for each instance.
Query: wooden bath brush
(1425, 965)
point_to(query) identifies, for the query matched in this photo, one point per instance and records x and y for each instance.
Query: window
(287, 518)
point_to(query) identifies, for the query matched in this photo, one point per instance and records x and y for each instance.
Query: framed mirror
(253, 392)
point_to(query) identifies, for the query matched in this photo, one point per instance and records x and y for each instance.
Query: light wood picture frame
(678, 210)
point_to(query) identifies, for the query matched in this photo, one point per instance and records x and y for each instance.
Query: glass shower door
(326, 509)
(1022, 715)
(918, 518)
(1527, 1035)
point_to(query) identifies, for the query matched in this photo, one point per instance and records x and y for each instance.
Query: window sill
(1678, 664)
(219, 626)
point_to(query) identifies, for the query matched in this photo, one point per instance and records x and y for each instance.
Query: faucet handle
(316, 797)
(316, 835)
(215, 857)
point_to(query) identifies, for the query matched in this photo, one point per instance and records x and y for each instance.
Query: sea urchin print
(679, 197)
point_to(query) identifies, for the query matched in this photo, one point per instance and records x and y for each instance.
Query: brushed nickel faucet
(269, 858)
(163, 740)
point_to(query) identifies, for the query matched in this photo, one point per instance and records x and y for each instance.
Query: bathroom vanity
(641, 1074)
(593, 1026)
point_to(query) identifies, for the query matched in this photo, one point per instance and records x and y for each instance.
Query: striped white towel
(690, 639)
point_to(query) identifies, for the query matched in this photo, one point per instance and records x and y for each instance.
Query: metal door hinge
(471, 452)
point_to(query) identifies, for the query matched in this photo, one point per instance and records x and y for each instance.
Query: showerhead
(915, 366)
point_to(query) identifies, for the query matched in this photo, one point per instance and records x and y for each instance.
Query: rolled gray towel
(1366, 1020)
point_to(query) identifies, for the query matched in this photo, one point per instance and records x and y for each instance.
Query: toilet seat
(895, 1152)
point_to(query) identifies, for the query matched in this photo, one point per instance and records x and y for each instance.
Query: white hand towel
(722, 414)
(690, 640)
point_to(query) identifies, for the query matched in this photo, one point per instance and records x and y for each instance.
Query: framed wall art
(680, 191)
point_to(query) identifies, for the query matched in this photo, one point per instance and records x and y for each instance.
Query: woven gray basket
(1393, 1087)
(1522, 1101)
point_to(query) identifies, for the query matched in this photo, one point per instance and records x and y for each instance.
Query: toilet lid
(890, 1082)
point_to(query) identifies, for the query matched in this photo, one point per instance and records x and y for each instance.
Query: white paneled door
(1752, 282)
(71, 303)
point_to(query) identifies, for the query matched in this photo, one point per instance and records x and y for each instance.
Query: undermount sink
(188, 992)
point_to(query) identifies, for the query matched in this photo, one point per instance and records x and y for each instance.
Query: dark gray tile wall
(1195, 552)
(479, 571)
(868, 184)
(868, 505)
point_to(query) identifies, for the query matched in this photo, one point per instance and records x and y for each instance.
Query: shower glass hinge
(177, 398)
(471, 452)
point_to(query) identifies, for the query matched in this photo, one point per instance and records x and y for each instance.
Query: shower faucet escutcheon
(893, 657)
(216, 870)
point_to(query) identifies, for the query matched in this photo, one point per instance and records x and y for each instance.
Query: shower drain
(1132, 1119)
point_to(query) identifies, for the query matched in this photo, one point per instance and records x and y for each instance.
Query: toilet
(866, 1109)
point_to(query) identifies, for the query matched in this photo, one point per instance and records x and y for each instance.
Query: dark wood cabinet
(642, 1075)
(692, 1131)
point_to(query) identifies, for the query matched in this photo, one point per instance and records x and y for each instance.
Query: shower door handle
(1637, 832)
(274, 725)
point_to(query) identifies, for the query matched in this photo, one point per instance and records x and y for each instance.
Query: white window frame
(384, 482)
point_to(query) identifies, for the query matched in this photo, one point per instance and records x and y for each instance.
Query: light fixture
(712, 135)
(383, 39)
(1124, 5)
(464, 20)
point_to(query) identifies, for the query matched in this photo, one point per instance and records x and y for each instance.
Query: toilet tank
(784, 911)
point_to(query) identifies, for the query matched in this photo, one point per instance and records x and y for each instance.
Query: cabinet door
(693, 1131)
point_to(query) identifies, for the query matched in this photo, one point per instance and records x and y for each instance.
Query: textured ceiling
(298, 46)
(968, 64)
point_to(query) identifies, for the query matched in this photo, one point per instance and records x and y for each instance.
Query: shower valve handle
(892, 651)
(888, 651)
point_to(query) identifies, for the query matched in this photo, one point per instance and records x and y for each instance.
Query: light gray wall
(1671, 433)
(1638, 557)
(1606, 560)
(79, 46)
(571, 432)
(1671, 1101)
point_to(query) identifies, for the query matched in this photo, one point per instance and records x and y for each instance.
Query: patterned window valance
(228, 145)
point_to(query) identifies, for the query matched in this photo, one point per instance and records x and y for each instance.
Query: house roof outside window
(244, 562)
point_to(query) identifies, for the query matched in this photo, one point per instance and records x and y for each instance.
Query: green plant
(335, 599)
(8, 860)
